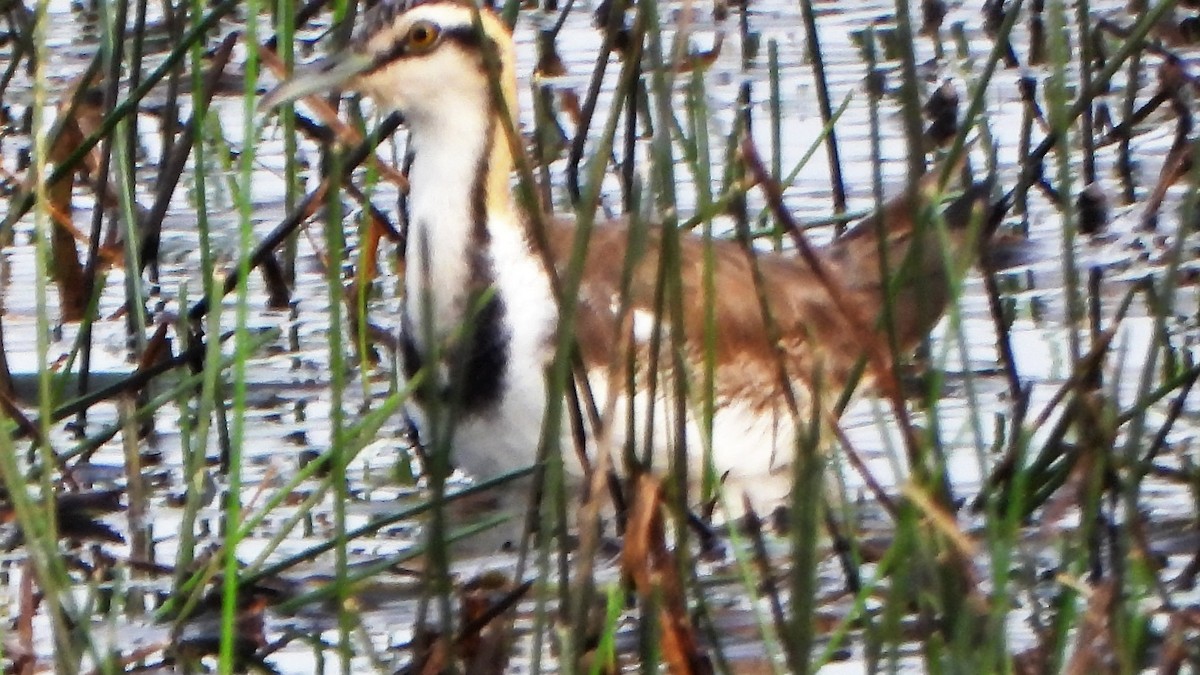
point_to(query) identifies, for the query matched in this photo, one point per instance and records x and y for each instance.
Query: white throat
(446, 173)
(462, 237)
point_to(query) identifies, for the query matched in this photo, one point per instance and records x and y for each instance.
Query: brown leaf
(429, 653)
(647, 561)
(67, 269)
(1094, 651)
(700, 60)
(484, 643)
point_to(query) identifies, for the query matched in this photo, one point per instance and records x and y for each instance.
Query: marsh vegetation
(204, 455)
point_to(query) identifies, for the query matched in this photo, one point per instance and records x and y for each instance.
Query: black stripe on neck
(478, 362)
(485, 351)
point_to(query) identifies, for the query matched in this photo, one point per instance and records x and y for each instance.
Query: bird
(480, 309)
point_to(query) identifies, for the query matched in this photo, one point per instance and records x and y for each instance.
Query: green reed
(232, 506)
(921, 599)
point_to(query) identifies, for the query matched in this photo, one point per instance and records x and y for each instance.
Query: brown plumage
(817, 335)
(472, 264)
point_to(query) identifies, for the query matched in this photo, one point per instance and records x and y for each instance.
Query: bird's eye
(422, 35)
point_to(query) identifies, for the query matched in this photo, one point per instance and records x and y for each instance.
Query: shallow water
(288, 384)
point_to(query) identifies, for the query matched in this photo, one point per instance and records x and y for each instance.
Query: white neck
(443, 178)
(452, 258)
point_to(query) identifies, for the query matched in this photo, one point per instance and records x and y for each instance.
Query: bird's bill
(329, 74)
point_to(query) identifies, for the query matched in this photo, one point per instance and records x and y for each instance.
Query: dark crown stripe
(465, 37)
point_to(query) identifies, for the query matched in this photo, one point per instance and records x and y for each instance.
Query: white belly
(745, 443)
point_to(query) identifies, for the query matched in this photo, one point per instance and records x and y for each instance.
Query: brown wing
(815, 332)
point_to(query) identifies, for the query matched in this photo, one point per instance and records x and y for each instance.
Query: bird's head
(426, 60)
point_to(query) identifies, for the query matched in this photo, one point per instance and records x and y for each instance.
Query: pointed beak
(324, 76)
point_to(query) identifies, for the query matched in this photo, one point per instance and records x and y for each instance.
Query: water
(288, 383)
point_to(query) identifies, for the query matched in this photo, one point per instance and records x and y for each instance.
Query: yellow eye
(423, 35)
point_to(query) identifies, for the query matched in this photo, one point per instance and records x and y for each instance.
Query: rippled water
(288, 383)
